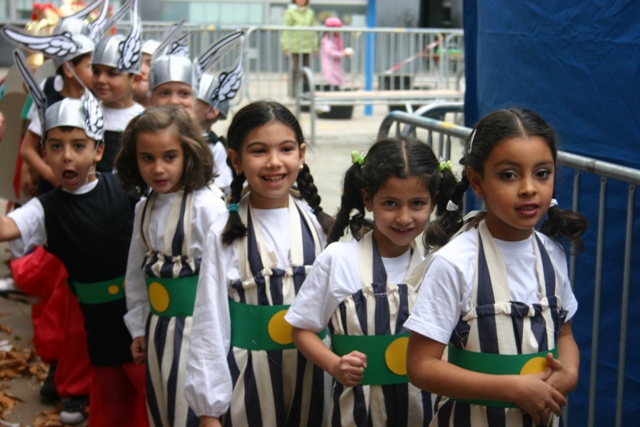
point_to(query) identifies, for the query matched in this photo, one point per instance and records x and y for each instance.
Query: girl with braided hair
(364, 289)
(497, 296)
(254, 263)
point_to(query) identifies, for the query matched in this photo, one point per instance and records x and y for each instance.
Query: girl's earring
(301, 166)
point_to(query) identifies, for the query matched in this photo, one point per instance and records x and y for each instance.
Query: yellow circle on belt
(396, 356)
(534, 366)
(114, 289)
(279, 329)
(158, 297)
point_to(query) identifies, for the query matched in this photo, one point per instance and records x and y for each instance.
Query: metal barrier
(606, 171)
(403, 58)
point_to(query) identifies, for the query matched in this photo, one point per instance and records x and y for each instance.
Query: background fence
(448, 140)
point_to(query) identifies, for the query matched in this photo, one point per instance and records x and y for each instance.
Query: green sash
(386, 356)
(98, 292)
(170, 297)
(261, 327)
(498, 364)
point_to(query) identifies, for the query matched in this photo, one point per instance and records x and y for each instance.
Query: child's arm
(564, 376)
(428, 371)
(347, 369)
(29, 150)
(8, 229)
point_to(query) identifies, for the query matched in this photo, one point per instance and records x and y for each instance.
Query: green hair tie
(445, 165)
(358, 157)
(233, 207)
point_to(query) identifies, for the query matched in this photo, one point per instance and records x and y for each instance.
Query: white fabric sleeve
(30, 221)
(559, 260)
(438, 306)
(136, 288)
(224, 178)
(314, 304)
(208, 384)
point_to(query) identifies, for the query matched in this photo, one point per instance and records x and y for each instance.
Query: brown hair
(198, 160)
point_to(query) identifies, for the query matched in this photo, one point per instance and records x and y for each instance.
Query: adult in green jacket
(298, 45)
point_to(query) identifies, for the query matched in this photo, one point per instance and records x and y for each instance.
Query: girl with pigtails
(255, 260)
(497, 297)
(365, 289)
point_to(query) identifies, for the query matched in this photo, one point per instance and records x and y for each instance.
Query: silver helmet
(171, 68)
(208, 85)
(84, 113)
(123, 53)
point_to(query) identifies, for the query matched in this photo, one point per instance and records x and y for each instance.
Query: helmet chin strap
(92, 169)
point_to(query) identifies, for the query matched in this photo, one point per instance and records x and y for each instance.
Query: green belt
(98, 292)
(172, 297)
(498, 364)
(386, 356)
(261, 327)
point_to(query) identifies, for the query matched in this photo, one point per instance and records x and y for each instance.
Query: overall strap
(177, 234)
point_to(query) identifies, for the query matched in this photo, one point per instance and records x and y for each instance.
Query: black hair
(487, 133)
(75, 61)
(249, 118)
(390, 157)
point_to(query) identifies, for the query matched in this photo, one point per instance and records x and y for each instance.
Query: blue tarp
(576, 63)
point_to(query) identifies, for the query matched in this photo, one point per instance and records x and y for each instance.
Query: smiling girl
(256, 260)
(164, 155)
(497, 296)
(364, 289)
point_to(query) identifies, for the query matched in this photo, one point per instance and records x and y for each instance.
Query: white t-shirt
(333, 278)
(446, 289)
(207, 207)
(117, 119)
(208, 383)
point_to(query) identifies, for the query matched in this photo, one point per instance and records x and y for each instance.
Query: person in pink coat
(332, 52)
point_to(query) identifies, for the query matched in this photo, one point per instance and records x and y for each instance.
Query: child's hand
(350, 368)
(537, 398)
(561, 378)
(210, 422)
(139, 350)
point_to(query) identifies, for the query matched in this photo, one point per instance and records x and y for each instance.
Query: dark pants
(294, 67)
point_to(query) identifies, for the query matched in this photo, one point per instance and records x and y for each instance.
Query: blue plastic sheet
(576, 63)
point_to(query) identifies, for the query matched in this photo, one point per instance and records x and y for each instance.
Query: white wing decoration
(131, 47)
(96, 28)
(39, 99)
(216, 51)
(229, 82)
(167, 39)
(180, 47)
(59, 45)
(117, 16)
(95, 120)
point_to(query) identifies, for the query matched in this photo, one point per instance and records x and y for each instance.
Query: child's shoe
(48, 390)
(74, 410)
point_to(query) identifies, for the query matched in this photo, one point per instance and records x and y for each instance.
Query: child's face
(83, 70)
(270, 159)
(172, 93)
(71, 155)
(516, 185)
(401, 210)
(112, 87)
(141, 82)
(160, 160)
(203, 112)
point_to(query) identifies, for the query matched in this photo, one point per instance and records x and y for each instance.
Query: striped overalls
(274, 384)
(171, 277)
(499, 326)
(371, 321)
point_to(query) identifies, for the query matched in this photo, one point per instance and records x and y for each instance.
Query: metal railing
(453, 136)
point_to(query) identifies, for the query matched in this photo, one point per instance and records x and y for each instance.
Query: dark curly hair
(489, 131)
(391, 157)
(249, 118)
(198, 160)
